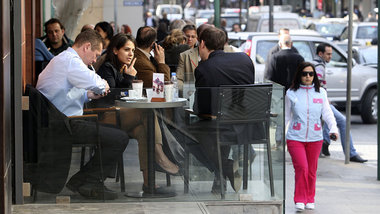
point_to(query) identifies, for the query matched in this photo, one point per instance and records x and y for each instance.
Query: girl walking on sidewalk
(305, 103)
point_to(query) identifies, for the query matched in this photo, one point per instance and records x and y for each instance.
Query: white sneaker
(300, 206)
(310, 206)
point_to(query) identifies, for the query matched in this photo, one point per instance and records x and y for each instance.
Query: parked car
(329, 30)
(174, 11)
(366, 55)
(362, 33)
(259, 22)
(364, 78)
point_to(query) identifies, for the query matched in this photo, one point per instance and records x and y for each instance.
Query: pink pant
(305, 162)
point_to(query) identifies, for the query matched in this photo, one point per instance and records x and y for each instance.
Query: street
(365, 141)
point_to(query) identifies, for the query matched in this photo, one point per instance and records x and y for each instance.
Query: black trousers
(113, 142)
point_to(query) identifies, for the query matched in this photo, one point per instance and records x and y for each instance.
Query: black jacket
(283, 65)
(220, 69)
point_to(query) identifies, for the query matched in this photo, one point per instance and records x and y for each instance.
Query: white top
(65, 82)
(304, 108)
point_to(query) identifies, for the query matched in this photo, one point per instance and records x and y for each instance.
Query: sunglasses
(305, 73)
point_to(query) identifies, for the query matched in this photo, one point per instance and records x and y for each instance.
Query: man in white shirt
(68, 84)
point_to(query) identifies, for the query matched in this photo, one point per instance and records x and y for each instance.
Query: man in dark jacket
(218, 68)
(284, 63)
(55, 39)
(276, 49)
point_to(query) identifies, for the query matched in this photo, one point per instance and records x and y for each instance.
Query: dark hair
(297, 77)
(106, 27)
(91, 36)
(118, 41)
(201, 28)
(145, 36)
(189, 27)
(322, 47)
(213, 38)
(53, 21)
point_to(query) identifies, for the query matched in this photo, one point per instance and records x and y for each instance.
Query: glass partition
(245, 121)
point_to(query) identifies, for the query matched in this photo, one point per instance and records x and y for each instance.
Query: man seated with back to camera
(68, 84)
(217, 68)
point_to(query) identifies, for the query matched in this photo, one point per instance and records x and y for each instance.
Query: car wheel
(369, 107)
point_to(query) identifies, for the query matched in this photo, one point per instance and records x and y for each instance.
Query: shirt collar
(145, 53)
(306, 86)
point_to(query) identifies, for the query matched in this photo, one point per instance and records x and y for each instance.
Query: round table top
(179, 102)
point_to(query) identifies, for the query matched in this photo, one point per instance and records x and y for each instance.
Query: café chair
(245, 112)
(47, 144)
(120, 165)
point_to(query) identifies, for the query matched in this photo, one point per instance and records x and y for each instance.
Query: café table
(144, 104)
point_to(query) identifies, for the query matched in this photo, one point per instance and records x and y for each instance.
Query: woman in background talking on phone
(305, 103)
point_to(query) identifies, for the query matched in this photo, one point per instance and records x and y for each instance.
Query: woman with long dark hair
(305, 103)
(118, 68)
(119, 72)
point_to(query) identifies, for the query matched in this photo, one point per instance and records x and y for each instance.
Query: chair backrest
(239, 104)
(51, 139)
(244, 113)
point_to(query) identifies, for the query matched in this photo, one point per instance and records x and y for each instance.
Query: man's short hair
(145, 37)
(201, 28)
(322, 47)
(91, 36)
(53, 21)
(283, 29)
(213, 38)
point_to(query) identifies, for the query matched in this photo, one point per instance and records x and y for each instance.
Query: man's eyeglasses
(305, 73)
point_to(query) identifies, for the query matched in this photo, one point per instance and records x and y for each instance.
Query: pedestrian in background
(305, 103)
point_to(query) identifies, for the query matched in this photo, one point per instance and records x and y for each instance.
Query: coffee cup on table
(132, 93)
(149, 94)
(168, 89)
(137, 85)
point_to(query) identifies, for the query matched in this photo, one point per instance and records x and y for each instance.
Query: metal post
(270, 15)
(217, 13)
(349, 68)
(378, 108)
(115, 14)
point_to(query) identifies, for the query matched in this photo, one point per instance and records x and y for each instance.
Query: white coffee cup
(137, 85)
(132, 93)
(168, 89)
(149, 94)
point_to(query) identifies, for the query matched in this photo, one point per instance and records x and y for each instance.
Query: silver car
(364, 78)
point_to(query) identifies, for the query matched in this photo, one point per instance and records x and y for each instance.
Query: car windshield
(369, 55)
(330, 29)
(278, 24)
(367, 32)
(263, 48)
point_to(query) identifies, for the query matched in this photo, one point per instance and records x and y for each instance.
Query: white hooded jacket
(304, 108)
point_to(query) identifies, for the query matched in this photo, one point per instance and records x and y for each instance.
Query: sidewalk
(341, 188)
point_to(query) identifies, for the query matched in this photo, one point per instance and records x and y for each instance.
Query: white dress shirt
(65, 82)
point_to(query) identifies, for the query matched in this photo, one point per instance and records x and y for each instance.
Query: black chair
(47, 144)
(243, 115)
(245, 109)
(48, 147)
(119, 173)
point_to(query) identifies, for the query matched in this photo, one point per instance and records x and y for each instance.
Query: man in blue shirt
(68, 84)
